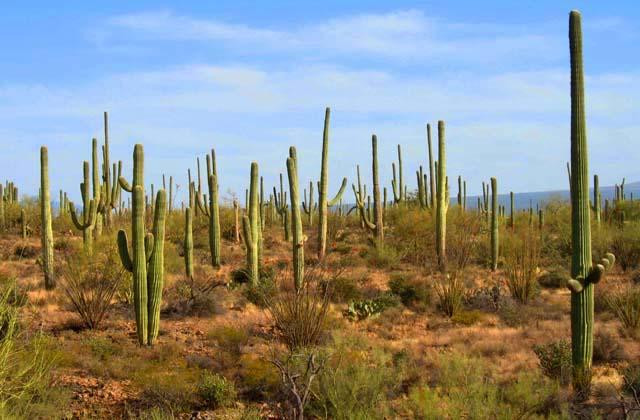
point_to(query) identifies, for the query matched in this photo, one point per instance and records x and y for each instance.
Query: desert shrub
(25, 250)
(555, 360)
(522, 258)
(451, 291)
(356, 381)
(555, 278)
(25, 364)
(606, 348)
(625, 305)
(467, 317)
(413, 233)
(626, 246)
(90, 282)
(300, 317)
(368, 308)
(215, 390)
(261, 293)
(631, 377)
(382, 255)
(488, 299)
(230, 338)
(258, 377)
(174, 391)
(343, 289)
(463, 387)
(413, 293)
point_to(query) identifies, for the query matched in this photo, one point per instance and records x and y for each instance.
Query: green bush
(343, 289)
(413, 293)
(383, 256)
(216, 391)
(555, 360)
(626, 246)
(606, 349)
(625, 305)
(230, 338)
(631, 376)
(467, 317)
(555, 278)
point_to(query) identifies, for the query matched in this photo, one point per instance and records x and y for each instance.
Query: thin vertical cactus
(512, 218)
(3, 219)
(442, 202)
(397, 183)
(494, 225)
(23, 223)
(432, 180)
(597, 199)
(155, 272)
(283, 210)
(96, 187)
(89, 212)
(188, 243)
(309, 206)
(376, 226)
(251, 228)
(236, 218)
(212, 210)
(323, 191)
(46, 232)
(296, 220)
(584, 274)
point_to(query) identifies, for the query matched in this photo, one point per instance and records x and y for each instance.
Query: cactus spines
(45, 215)
(442, 202)
(251, 228)
(89, 211)
(188, 243)
(296, 222)
(397, 183)
(583, 274)
(494, 225)
(323, 191)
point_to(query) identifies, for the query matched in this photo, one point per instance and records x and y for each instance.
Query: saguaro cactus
(494, 225)
(146, 263)
(110, 195)
(45, 215)
(283, 210)
(442, 202)
(309, 206)
(89, 211)
(251, 228)
(597, 199)
(323, 202)
(296, 220)
(23, 223)
(2, 213)
(212, 210)
(512, 218)
(376, 226)
(584, 274)
(188, 243)
(397, 183)
(432, 179)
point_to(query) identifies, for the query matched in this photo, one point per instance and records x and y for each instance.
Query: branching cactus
(309, 206)
(323, 191)
(146, 262)
(495, 251)
(283, 210)
(251, 228)
(584, 274)
(397, 183)
(211, 210)
(296, 222)
(111, 187)
(442, 202)
(89, 212)
(376, 226)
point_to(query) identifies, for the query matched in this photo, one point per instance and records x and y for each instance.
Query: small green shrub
(467, 317)
(343, 289)
(413, 293)
(451, 292)
(383, 256)
(626, 246)
(631, 377)
(216, 391)
(555, 278)
(230, 338)
(555, 360)
(606, 349)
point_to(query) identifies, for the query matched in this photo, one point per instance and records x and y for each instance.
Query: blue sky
(252, 79)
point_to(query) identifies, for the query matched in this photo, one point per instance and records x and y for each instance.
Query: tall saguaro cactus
(46, 232)
(251, 228)
(188, 243)
(512, 218)
(296, 220)
(432, 179)
(597, 199)
(110, 195)
(584, 274)
(442, 202)
(495, 251)
(146, 262)
(309, 206)
(211, 210)
(323, 202)
(283, 210)
(89, 212)
(376, 226)
(397, 183)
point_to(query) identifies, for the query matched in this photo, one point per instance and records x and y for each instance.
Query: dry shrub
(90, 282)
(300, 317)
(522, 260)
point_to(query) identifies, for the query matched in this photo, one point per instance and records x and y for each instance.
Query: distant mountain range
(522, 200)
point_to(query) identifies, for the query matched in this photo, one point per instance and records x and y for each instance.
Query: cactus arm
(148, 246)
(123, 251)
(246, 233)
(338, 196)
(124, 184)
(74, 217)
